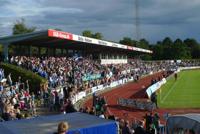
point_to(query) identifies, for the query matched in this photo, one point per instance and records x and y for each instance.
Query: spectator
(156, 121)
(126, 128)
(139, 129)
(9, 79)
(152, 129)
(27, 85)
(1, 86)
(102, 115)
(1, 74)
(149, 121)
(154, 99)
(6, 115)
(19, 79)
(92, 111)
(191, 131)
(46, 98)
(62, 128)
(111, 117)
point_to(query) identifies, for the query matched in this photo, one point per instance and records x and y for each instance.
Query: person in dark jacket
(156, 121)
(126, 128)
(149, 121)
(139, 129)
(6, 115)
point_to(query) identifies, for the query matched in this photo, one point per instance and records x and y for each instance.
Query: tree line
(167, 49)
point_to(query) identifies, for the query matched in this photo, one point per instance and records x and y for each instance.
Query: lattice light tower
(137, 20)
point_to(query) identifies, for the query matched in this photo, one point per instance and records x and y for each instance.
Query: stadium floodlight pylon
(137, 21)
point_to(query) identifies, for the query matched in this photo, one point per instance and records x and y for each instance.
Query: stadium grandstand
(70, 44)
(83, 76)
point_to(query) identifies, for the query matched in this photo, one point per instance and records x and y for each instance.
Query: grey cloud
(114, 18)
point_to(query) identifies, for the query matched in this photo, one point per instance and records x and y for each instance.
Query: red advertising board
(59, 34)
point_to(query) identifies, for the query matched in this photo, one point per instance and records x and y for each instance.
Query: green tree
(193, 47)
(167, 42)
(143, 44)
(97, 35)
(167, 49)
(127, 41)
(158, 51)
(21, 28)
(180, 50)
(87, 33)
(196, 52)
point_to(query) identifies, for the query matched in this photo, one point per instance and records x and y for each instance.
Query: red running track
(134, 90)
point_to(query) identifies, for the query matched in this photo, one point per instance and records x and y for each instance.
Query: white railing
(113, 84)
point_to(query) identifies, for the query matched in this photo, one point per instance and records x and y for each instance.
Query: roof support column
(39, 51)
(5, 51)
(107, 56)
(66, 54)
(29, 50)
(54, 52)
(47, 51)
(62, 54)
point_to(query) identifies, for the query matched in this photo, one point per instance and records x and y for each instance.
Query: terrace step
(41, 110)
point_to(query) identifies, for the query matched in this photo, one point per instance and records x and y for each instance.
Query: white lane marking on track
(170, 90)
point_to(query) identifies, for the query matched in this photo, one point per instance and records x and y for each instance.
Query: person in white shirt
(102, 115)
(9, 79)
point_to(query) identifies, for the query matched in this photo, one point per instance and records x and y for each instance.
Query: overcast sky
(113, 18)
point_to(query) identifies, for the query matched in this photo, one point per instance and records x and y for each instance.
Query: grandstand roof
(60, 39)
(188, 121)
(48, 124)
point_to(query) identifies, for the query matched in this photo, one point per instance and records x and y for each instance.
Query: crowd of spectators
(68, 76)
(83, 73)
(188, 63)
(16, 102)
(75, 74)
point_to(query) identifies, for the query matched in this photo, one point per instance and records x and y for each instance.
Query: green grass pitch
(183, 93)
